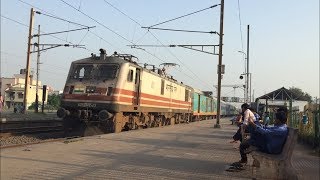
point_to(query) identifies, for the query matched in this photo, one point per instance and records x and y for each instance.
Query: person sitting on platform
(246, 114)
(269, 139)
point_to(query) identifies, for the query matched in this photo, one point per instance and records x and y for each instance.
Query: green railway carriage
(204, 105)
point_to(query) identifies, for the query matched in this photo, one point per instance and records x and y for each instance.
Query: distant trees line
(299, 93)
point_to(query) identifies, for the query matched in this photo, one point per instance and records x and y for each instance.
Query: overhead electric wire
(15, 21)
(55, 17)
(142, 36)
(101, 38)
(64, 31)
(163, 45)
(103, 25)
(181, 30)
(43, 63)
(208, 86)
(240, 25)
(50, 15)
(28, 27)
(122, 12)
(185, 15)
(20, 23)
(19, 65)
(97, 22)
(83, 37)
(47, 13)
(118, 49)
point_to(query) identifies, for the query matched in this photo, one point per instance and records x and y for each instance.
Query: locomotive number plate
(87, 105)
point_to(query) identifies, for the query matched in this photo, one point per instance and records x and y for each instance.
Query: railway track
(30, 126)
(29, 132)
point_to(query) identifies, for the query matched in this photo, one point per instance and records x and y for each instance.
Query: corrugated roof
(283, 94)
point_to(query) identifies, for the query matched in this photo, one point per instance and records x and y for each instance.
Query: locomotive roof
(108, 59)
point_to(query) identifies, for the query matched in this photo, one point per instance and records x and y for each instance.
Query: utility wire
(240, 25)
(19, 65)
(142, 36)
(97, 22)
(36, 35)
(185, 15)
(122, 13)
(45, 13)
(101, 38)
(208, 86)
(55, 17)
(22, 56)
(83, 37)
(31, 5)
(20, 23)
(181, 30)
(104, 26)
(65, 40)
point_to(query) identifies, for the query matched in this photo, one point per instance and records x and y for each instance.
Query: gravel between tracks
(17, 140)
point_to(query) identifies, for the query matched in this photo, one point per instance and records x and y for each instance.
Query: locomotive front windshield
(82, 71)
(107, 72)
(94, 71)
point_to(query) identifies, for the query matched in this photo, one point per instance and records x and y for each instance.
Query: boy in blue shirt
(266, 139)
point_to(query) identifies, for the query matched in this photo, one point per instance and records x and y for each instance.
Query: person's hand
(250, 120)
(234, 141)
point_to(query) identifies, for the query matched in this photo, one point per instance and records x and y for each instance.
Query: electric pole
(247, 85)
(38, 69)
(26, 82)
(217, 125)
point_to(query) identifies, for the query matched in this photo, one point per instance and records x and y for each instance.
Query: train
(117, 94)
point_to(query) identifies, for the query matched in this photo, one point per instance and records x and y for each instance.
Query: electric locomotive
(114, 93)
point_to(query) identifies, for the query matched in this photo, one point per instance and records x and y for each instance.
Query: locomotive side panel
(125, 91)
(160, 94)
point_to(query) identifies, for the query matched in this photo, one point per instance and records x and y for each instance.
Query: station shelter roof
(283, 94)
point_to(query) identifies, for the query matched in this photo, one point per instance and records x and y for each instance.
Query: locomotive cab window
(162, 87)
(130, 76)
(82, 71)
(186, 95)
(107, 71)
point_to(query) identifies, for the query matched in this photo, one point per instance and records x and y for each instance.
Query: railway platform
(183, 151)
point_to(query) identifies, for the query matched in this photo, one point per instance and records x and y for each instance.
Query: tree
(54, 100)
(299, 93)
(33, 105)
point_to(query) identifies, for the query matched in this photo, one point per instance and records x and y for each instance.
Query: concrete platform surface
(185, 151)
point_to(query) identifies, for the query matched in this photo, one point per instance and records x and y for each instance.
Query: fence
(308, 124)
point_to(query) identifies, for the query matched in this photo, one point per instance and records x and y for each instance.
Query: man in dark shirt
(266, 139)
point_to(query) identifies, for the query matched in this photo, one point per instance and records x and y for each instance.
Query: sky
(283, 51)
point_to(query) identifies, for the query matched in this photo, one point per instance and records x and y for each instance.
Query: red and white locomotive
(115, 94)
